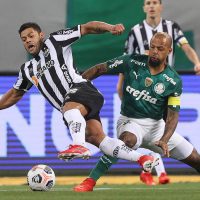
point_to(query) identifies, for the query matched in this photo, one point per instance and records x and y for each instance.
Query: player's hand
(117, 29)
(197, 69)
(163, 146)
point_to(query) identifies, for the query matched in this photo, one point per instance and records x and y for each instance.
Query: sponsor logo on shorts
(73, 91)
(126, 122)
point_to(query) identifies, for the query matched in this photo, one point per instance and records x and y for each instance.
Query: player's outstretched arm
(10, 98)
(192, 56)
(97, 27)
(170, 126)
(95, 71)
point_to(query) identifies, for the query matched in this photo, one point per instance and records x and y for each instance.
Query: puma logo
(136, 75)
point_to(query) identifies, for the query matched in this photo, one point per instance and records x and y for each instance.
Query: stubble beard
(154, 63)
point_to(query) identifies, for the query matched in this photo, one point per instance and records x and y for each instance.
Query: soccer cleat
(148, 162)
(147, 178)
(163, 178)
(86, 186)
(74, 151)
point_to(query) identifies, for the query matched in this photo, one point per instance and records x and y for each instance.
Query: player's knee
(94, 137)
(129, 139)
(90, 138)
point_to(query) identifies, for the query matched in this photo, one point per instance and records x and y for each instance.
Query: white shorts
(148, 131)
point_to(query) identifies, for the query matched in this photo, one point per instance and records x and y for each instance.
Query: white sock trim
(116, 148)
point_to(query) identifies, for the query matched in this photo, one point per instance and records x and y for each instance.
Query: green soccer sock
(103, 165)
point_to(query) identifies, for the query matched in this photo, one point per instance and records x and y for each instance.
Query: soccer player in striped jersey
(139, 37)
(138, 41)
(52, 71)
(149, 84)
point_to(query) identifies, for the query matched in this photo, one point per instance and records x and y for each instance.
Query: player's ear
(42, 35)
(170, 50)
(144, 9)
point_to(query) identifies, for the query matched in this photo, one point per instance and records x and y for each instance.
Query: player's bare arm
(192, 56)
(96, 27)
(10, 98)
(120, 85)
(95, 71)
(170, 126)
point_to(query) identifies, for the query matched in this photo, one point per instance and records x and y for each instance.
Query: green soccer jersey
(146, 95)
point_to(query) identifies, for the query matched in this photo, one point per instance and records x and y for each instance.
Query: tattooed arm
(97, 27)
(170, 126)
(10, 98)
(95, 71)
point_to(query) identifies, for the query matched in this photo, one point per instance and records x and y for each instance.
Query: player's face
(152, 8)
(158, 52)
(32, 40)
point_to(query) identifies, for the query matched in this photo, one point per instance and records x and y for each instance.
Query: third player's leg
(193, 160)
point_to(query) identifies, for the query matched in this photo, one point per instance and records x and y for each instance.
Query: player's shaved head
(164, 37)
(159, 1)
(160, 47)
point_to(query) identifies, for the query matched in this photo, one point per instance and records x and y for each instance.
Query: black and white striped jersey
(140, 35)
(52, 70)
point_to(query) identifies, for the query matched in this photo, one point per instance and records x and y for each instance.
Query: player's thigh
(180, 148)
(126, 124)
(154, 133)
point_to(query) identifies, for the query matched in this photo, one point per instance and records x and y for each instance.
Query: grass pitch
(173, 191)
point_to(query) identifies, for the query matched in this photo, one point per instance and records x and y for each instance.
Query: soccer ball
(41, 178)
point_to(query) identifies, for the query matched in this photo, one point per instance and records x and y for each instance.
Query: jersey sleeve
(22, 82)
(174, 100)
(66, 37)
(179, 36)
(117, 65)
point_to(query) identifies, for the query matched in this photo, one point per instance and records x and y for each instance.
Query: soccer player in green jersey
(150, 84)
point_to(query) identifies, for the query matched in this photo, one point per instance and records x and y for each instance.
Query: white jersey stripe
(139, 38)
(170, 32)
(59, 72)
(50, 81)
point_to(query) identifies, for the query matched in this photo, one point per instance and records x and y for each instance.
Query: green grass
(176, 191)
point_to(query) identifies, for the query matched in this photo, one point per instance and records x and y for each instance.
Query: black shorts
(86, 94)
